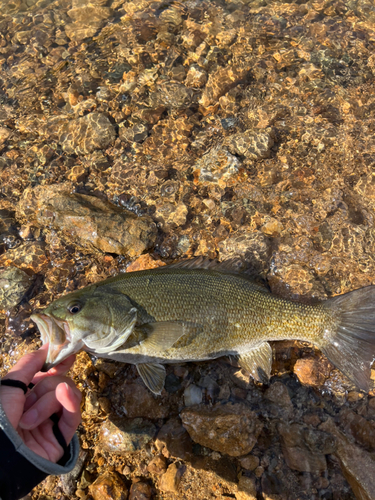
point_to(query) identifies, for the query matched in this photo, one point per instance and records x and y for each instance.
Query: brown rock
(278, 393)
(83, 135)
(158, 465)
(312, 371)
(144, 262)
(357, 465)
(137, 401)
(124, 436)
(220, 82)
(304, 449)
(109, 486)
(93, 222)
(247, 489)
(361, 429)
(140, 491)
(228, 428)
(170, 480)
(173, 440)
(253, 144)
(249, 462)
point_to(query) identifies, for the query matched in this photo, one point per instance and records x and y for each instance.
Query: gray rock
(252, 144)
(14, 283)
(124, 436)
(192, 395)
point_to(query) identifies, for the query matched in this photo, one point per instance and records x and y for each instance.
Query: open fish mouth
(57, 334)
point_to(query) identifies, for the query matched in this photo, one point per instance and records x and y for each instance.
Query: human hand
(53, 393)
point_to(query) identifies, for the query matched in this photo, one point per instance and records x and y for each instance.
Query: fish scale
(200, 310)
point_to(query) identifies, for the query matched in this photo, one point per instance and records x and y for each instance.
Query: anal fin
(258, 362)
(153, 375)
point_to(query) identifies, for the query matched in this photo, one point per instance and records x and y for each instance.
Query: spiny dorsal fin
(235, 265)
(163, 334)
(153, 375)
(258, 362)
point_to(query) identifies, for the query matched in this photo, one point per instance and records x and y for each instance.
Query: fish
(198, 310)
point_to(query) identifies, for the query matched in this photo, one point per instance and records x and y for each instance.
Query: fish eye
(75, 307)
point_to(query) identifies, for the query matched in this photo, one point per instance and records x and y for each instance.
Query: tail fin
(352, 346)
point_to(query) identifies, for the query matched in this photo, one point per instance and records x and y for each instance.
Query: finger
(70, 400)
(40, 411)
(25, 369)
(60, 369)
(46, 385)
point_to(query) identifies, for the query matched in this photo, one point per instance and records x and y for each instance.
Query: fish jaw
(57, 334)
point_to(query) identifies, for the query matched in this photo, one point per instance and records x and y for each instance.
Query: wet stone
(170, 216)
(109, 486)
(124, 435)
(14, 283)
(254, 145)
(227, 428)
(216, 165)
(82, 135)
(94, 223)
(312, 371)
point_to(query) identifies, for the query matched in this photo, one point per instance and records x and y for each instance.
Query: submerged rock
(123, 436)
(82, 135)
(94, 223)
(14, 283)
(228, 428)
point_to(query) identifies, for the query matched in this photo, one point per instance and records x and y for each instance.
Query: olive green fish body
(199, 310)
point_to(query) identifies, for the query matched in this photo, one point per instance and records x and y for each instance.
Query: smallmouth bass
(199, 310)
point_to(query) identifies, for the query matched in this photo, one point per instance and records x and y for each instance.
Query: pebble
(216, 166)
(92, 222)
(109, 486)
(170, 480)
(312, 371)
(192, 395)
(14, 283)
(247, 489)
(123, 436)
(140, 491)
(249, 462)
(227, 428)
(171, 216)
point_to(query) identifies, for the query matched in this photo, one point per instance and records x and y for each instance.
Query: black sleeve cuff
(18, 476)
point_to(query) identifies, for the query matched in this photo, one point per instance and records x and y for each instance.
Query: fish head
(91, 320)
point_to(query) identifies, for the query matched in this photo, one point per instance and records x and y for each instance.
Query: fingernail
(29, 418)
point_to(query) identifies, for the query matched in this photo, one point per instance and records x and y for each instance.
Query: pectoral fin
(258, 362)
(162, 335)
(153, 375)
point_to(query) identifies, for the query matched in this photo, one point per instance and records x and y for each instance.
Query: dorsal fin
(236, 265)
